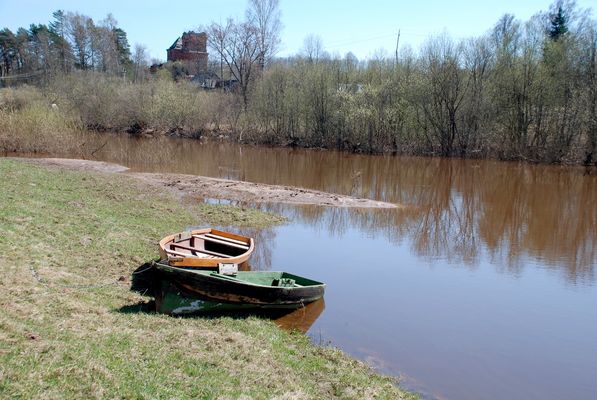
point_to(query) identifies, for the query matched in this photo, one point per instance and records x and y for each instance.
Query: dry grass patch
(29, 124)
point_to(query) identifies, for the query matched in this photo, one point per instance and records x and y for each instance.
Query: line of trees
(522, 91)
(71, 41)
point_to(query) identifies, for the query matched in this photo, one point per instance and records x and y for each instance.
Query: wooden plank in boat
(194, 252)
(239, 242)
(202, 251)
(180, 253)
(229, 235)
(225, 242)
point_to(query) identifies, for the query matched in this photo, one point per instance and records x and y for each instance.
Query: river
(481, 287)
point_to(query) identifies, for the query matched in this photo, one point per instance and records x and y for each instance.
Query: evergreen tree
(39, 48)
(123, 48)
(57, 30)
(558, 22)
(8, 52)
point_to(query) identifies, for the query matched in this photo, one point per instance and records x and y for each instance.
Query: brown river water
(482, 287)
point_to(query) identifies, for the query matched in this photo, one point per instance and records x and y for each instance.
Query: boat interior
(265, 278)
(206, 245)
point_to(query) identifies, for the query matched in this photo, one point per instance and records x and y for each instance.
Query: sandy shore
(201, 186)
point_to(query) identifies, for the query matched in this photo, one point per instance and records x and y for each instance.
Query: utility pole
(397, 43)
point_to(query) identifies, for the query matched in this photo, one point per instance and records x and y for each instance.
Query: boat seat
(201, 253)
(222, 240)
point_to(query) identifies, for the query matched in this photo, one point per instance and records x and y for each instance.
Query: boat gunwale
(212, 274)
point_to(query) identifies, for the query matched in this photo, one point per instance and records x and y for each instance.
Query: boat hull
(184, 291)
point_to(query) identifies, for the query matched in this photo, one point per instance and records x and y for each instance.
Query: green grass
(70, 327)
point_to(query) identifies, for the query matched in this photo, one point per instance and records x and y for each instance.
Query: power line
(352, 41)
(348, 42)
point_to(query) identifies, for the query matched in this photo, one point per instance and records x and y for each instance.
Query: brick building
(191, 48)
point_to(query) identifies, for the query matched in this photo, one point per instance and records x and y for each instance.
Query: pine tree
(57, 30)
(8, 51)
(123, 48)
(558, 22)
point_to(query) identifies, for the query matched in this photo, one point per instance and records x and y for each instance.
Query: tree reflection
(457, 210)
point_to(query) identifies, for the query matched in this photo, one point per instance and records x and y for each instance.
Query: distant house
(191, 48)
(228, 85)
(207, 80)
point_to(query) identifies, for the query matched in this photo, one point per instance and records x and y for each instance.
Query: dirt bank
(200, 186)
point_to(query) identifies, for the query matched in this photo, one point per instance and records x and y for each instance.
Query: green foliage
(178, 69)
(122, 47)
(70, 41)
(515, 93)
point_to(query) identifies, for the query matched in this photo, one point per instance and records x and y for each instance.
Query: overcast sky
(363, 27)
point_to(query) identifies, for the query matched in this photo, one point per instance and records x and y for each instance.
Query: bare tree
(105, 42)
(313, 48)
(444, 90)
(237, 45)
(264, 15)
(139, 62)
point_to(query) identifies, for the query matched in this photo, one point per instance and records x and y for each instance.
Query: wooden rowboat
(206, 248)
(188, 291)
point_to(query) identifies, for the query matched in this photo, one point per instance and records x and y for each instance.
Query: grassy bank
(70, 327)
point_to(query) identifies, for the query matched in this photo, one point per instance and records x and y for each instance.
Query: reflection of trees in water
(444, 227)
(546, 212)
(509, 210)
(336, 221)
(468, 208)
(458, 209)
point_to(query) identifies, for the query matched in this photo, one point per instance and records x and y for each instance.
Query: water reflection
(457, 210)
(302, 318)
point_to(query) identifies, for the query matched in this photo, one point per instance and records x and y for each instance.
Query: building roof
(177, 44)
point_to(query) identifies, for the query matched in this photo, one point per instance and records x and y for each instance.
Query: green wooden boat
(188, 291)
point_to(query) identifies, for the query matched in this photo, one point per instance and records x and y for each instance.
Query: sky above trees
(364, 28)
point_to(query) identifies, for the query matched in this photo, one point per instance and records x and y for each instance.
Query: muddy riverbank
(205, 187)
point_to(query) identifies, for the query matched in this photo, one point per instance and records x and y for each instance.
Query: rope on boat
(149, 266)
